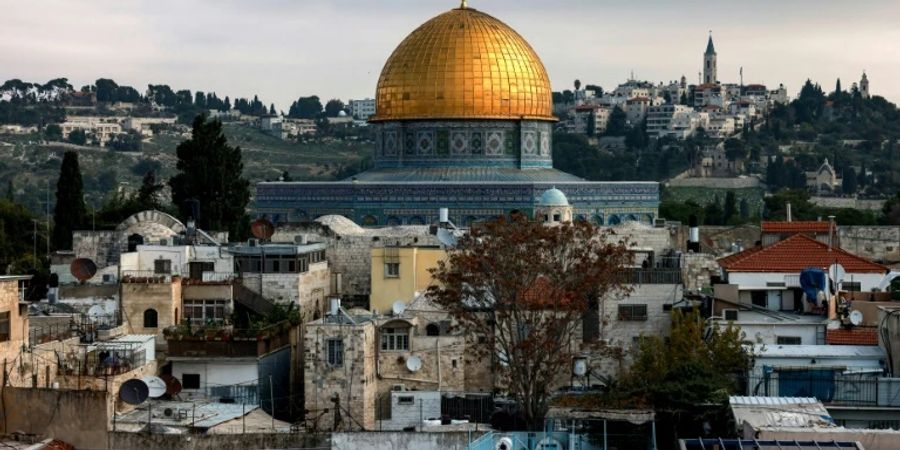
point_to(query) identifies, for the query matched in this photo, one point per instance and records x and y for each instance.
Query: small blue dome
(554, 197)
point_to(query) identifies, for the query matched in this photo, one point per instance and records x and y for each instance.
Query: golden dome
(464, 64)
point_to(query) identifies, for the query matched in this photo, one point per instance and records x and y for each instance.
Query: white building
(769, 277)
(362, 109)
(102, 128)
(143, 125)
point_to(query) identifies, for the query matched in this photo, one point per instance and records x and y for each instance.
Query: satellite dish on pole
(262, 229)
(837, 273)
(579, 367)
(155, 385)
(856, 317)
(414, 363)
(398, 307)
(134, 391)
(83, 269)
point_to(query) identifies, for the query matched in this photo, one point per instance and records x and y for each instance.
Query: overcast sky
(282, 49)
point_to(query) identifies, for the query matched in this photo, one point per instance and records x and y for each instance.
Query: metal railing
(217, 277)
(145, 277)
(831, 388)
(651, 276)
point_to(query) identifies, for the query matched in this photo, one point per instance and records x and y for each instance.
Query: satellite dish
(579, 368)
(134, 391)
(837, 273)
(96, 312)
(856, 317)
(155, 385)
(173, 386)
(262, 229)
(414, 363)
(83, 269)
(446, 237)
(398, 307)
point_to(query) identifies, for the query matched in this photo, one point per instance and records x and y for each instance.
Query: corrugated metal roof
(770, 401)
(819, 351)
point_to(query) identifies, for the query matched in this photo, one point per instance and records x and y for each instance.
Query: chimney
(830, 232)
(693, 244)
(788, 207)
(335, 306)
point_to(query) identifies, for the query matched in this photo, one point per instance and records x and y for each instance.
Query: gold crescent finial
(464, 4)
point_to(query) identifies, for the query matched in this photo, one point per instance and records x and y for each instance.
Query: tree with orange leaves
(525, 287)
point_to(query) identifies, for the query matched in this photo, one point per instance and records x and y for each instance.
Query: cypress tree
(70, 210)
(210, 171)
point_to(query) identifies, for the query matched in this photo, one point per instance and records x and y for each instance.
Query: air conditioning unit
(730, 314)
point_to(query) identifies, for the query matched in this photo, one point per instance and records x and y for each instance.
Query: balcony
(225, 341)
(146, 277)
(650, 276)
(830, 388)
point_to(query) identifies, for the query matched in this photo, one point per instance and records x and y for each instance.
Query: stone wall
(879, 243)
(123, 440)
(80, 418)
(398, 440)
(353, 382)
(698, 270)
(847, 202)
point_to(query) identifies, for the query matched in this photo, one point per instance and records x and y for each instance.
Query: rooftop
(806, 226)
(761, 412)
(819, 351)
(796, 253)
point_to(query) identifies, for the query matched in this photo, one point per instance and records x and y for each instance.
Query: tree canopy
(210, 171)
(70, 210)
(525, 288)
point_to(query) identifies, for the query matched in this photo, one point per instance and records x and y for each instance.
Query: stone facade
(372, 369)
(698, 270)
(622, 325)
(352, 383)
(306, 289)
(878, 243)
(15, 321)
(141, 296)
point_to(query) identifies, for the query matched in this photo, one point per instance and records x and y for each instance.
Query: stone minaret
(710, 75)
(864, 86)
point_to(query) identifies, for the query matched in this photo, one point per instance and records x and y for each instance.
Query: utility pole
(48, 220)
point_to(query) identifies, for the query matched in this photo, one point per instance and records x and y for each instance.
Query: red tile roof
(852, 336)
(809, 226)
(794, 254)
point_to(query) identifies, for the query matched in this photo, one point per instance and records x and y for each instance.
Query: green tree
(10, 193)
(849, 182)
(53, 132)
(148, 194)
(211, 172)
(78, 137)
(616, 124)
(730, 208)
(306, 108)
(70, 210)
(695, 366)
(334, 107)
(735, 150)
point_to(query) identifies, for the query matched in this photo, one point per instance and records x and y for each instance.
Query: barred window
(335, 352)
(633, 312)
(391, 270)
(394, 339)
